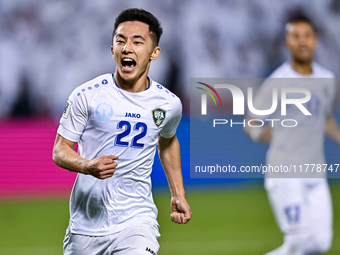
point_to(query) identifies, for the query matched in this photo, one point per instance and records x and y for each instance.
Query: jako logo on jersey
(151, 251)
(104, 112)
(132, 115)
(158, 116)
(239, 101)
(204, 97)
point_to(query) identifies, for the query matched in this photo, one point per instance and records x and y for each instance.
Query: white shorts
(302, 206)
(139, 239)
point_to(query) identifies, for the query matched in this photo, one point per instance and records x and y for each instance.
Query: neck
(304, 68)
(138, 85)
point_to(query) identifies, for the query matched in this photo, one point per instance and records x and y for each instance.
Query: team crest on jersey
(158, 116)
(104, 112)
(67, 109)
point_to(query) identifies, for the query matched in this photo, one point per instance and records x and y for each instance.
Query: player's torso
(304, 142)
(124, 124)
(115, 122)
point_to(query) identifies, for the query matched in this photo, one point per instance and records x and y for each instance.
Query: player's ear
(155, 53)
(112, 52)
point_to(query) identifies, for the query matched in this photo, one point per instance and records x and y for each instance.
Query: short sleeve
(170, 127)
(74, 118)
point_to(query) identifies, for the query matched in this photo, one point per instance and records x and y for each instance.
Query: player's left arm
(258, 134)
(332, 129)
(169, 154)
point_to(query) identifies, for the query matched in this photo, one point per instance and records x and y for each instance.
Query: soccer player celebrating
(117, 120)
(302, 206)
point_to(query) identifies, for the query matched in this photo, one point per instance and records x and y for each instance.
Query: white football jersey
(302, 144)
(106, 120)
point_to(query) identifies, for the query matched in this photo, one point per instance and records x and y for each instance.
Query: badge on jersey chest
(158, 116)
(104, 112)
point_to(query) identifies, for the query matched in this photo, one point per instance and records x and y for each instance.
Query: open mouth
(128, 64)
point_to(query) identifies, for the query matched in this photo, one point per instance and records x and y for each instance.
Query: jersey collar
(115, 82)
(302, 75)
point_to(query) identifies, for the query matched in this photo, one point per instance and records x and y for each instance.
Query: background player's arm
(169, 154)
(332, 129)
(261, 134)
(258, 134)
(64, 156)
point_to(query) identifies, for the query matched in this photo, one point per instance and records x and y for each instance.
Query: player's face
(301, 41)
(133, 49)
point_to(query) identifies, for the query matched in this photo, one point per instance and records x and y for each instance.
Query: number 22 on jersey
(139, 128)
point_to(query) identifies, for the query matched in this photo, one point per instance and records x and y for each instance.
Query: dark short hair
(300, 16)
(135, 14)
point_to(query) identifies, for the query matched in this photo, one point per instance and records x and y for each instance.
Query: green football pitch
(225, 221)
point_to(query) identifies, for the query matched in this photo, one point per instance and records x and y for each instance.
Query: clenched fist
(181, 212)
(102, 167)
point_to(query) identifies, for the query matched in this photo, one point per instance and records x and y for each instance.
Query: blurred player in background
(117, 120)
(302, 206)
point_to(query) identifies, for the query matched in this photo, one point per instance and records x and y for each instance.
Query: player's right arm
(64, 156)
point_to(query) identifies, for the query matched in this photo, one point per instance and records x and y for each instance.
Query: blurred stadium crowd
(47, 48)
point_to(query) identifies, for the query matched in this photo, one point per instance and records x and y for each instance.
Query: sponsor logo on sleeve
(67, 109)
